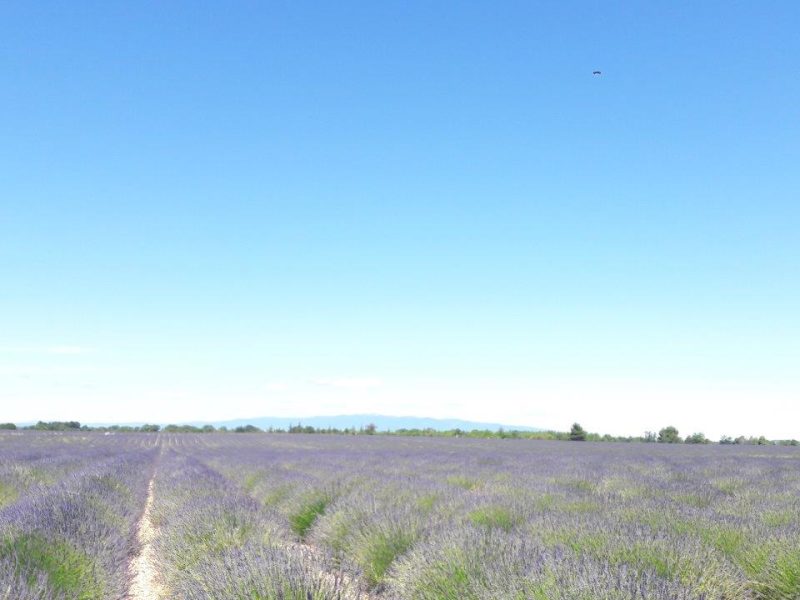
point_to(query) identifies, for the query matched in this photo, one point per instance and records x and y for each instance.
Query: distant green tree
(752, 441)
(370, 429)
(7, 426)
(669, 435)
(577, 433)
(697, 438)
(650, 436)
(247, 429)
(726, 440)
(207, 429)
(149, 428)
(172, 428)
(57, 426)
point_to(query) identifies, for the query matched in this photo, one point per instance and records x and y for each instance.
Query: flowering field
(280, 516)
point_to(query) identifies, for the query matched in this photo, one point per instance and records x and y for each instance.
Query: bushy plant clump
(72, 537)
(215, 541)
(255, 571)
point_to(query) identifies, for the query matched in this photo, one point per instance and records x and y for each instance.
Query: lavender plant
(74, 538)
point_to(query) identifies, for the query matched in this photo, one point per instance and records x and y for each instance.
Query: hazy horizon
(322, 421)
(290, 210)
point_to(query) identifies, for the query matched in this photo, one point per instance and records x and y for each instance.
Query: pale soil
(144, 577)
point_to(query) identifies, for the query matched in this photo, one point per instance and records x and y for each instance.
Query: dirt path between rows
(143, 574)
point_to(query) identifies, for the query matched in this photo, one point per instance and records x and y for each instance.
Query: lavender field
(263, 516)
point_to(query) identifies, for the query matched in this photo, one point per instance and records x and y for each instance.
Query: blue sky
(216, 211)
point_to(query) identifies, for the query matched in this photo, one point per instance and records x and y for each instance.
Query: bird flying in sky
(596, 73)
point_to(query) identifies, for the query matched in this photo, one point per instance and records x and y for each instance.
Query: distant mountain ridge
(382, 422)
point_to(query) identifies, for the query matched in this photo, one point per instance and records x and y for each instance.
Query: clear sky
(235, 209)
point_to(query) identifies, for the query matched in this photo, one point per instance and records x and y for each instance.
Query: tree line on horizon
(666, 435)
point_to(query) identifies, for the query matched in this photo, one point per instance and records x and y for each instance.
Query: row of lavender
(310, 516)
(69, 512)
(215, 541)
(332, 518)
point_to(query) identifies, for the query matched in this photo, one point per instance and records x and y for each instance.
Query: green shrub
(69, 571)
(8, 494)
(378, 551)
(302, 519)
(491, 517)
(775, 575)
(446, 580)
(218, 533)
(462, 482)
